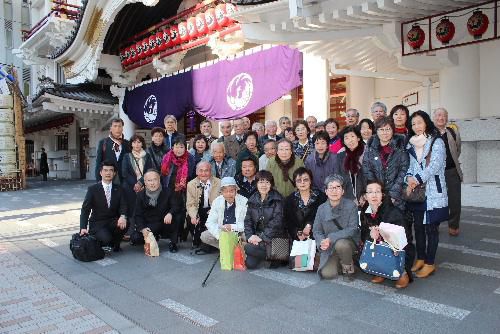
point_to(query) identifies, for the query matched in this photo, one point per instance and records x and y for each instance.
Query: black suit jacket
(95, 205)
(174, 137)
(147, 215)
(105, 152)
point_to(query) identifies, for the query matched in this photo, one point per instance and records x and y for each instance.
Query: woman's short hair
(334, 178)
(367, 121)
(400, 107)
(381, 122)
(139, 138)
(349, 129)
(430, 128)
(375, 181)
(179, 140)
(157, 129)
(250, 134)
(332, 120)
(299, 122)
(265, 175)
(201, 137)
(321, 135)
(301, 171)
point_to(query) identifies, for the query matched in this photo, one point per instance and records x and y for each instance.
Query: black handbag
(85, 248)
(278, 249)
(417, 195)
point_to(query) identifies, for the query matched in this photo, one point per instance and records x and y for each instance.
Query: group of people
(313, 180)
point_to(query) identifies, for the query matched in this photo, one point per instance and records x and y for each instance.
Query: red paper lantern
(167, 41)
(174, 35)
(416, 37)
(478, 24)
(183, 31)
(145, 48)
(201, 24)
(159, 41)
(445, 31)
(220, 15)
(153, 47)
(191, 28)
(138, 51)
(211, 20)
(122, 57)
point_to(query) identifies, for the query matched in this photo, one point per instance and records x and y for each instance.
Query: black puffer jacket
(386, 213)
(265, 219)
(397, 165)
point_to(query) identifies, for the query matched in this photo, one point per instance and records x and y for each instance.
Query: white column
(459, 85)
(361, 94)
(316, 81)
(129, 126)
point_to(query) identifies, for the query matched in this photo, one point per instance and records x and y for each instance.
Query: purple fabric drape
(226, 90)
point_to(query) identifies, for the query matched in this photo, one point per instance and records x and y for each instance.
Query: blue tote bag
(379, 259)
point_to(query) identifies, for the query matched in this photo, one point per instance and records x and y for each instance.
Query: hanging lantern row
(445, 30)
(194, 27)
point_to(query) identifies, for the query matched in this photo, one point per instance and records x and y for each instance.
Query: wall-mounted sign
(410, 99)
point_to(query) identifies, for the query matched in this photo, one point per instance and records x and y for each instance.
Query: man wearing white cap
(227, 213)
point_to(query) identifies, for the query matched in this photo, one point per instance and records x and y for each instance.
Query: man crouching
(154, 210)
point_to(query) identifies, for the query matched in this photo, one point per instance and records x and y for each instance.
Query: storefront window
(62, 142)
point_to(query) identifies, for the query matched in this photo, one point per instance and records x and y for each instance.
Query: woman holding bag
(427, 165)
(263, 221)
(380, 209)
(134, 165)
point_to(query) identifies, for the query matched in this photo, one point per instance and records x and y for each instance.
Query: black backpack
(85, 248)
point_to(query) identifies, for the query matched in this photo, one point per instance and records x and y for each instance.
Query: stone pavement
(44, 290)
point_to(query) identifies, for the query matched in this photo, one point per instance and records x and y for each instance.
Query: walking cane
(204, 283)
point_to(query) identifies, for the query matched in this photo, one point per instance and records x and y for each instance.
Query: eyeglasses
(384, 130)
(334, 188)
(304, 180)
(373, 192)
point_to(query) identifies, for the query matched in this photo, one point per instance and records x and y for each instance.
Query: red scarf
(401, 131)
(385, 151)
(351, 161)
(182, 168)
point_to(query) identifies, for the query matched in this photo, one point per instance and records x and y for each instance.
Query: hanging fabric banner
(226, 90)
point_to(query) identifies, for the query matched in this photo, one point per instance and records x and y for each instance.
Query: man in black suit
(154, 210)
(171, 133)
(106, 206)
(113, 148)
(271, 128)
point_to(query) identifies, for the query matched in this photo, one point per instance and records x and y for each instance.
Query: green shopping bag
(227, 243)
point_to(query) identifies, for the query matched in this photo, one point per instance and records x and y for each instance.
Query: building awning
(227, 89)
(48, 122)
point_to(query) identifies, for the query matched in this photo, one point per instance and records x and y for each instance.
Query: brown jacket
(232, 147)
(194, 193)
(455, 149)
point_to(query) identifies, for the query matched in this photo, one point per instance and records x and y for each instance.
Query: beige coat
(455, 149)
(193, 194)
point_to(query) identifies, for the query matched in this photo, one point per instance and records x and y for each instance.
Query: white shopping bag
(304, 247)
(394, 235)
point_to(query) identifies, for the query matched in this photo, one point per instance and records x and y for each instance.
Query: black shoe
(173, 247)
(117, 249)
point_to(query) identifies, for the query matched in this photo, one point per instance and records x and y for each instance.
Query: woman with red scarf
(177, 169)
(349, 164)
(332, 128)
(400, 116)
(386, 159)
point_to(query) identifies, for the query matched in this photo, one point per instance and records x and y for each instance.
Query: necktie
(108, 194)
(219, 170)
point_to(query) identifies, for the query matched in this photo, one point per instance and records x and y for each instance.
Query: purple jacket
(321, 168)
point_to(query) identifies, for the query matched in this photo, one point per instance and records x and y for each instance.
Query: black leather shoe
(173, 247)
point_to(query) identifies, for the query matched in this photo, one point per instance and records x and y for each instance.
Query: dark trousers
(255, 254)
(410, 248)
(426, 238)
(130, 197)
(454, 186)
(160, 229)
(44, 176)
(108, 233)
(196, 230)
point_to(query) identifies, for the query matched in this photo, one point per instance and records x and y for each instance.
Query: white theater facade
(355, 45)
